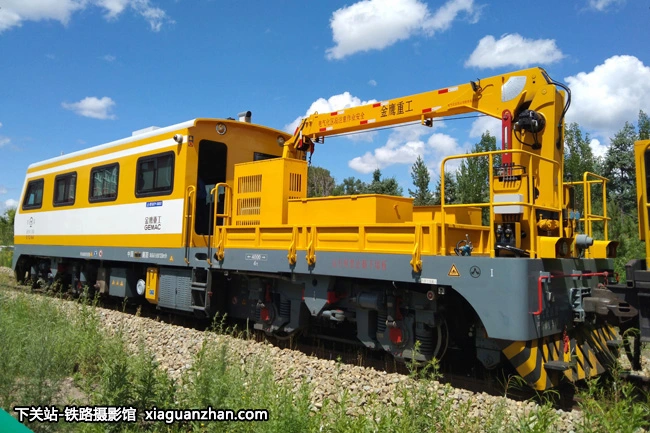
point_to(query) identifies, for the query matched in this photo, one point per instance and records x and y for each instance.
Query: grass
(50, 357)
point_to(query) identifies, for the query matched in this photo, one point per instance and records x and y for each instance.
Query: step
(557, 365)
(614, 344)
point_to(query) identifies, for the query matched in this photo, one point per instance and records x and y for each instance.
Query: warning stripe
(379, 104)
(336, 113)
(447, 90)
(589, 356)
(365, 122)
(329, 128)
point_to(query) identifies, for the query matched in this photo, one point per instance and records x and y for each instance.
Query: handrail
(227, 202)
(588, 216)
(490, 154)
(214, 214)
(189, 217)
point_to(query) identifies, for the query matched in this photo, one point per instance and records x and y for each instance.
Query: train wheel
(20, 272)
(282, 335)
(441, 340)
(434, 341)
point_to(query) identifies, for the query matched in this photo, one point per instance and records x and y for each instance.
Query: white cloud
(333, 103)
(3, 190)
(113, 7)
(598, 149)
(14, 12)
(613, 93)
(365, 137)
(93, 107)
(602, 5)
(485, 123)
(372, 83)
(109, 58)
(377, 24)
(4, 140)
(8, 204)
(404, 145)
(513, 50)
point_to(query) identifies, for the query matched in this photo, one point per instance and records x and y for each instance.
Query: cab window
(34, 195)
(64, 189)
(155, 175)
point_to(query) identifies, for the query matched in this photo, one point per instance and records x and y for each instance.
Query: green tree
(7, 227)
(451, 189)
(623, 228)
(320, 182)
(620, 169)
(422, 196)
(643, 126)
(473, 175)
(578, 159)
(350, 186)
(387, 186)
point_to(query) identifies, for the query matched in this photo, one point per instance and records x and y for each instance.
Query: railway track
(472, 378)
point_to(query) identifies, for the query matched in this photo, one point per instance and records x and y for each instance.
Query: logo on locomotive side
(153, 223)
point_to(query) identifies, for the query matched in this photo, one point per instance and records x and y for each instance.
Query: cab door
(211, 170)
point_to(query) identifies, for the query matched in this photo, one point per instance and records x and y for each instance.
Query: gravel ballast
(174, 348)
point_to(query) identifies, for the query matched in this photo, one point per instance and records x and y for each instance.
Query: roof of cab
(167, 129)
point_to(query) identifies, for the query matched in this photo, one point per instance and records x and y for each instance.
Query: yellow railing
(188, 215)
(531, 207)
(588, 217)
(227, 205)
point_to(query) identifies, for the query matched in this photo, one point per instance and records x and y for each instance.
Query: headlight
(140, 287)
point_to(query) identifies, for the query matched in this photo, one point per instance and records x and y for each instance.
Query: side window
(259, 156)
(103, 183)
(155, 175)
(34, 195)
(64, 189)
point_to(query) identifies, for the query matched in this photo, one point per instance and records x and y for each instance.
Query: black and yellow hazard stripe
(588, 355)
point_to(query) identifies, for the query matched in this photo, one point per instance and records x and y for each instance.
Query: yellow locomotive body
(92, 198)
(212, 215)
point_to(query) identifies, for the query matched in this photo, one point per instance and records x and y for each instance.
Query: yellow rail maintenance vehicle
(212, 216)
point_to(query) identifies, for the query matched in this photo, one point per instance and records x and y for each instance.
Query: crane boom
(493, 96)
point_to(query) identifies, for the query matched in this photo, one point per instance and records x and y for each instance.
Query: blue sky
(78, 73)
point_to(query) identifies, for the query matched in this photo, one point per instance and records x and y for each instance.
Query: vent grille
(248, 184)
(295, 182)
(249, 206)
(248, 223)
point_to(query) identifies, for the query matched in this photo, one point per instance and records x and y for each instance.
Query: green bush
(5, 258)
